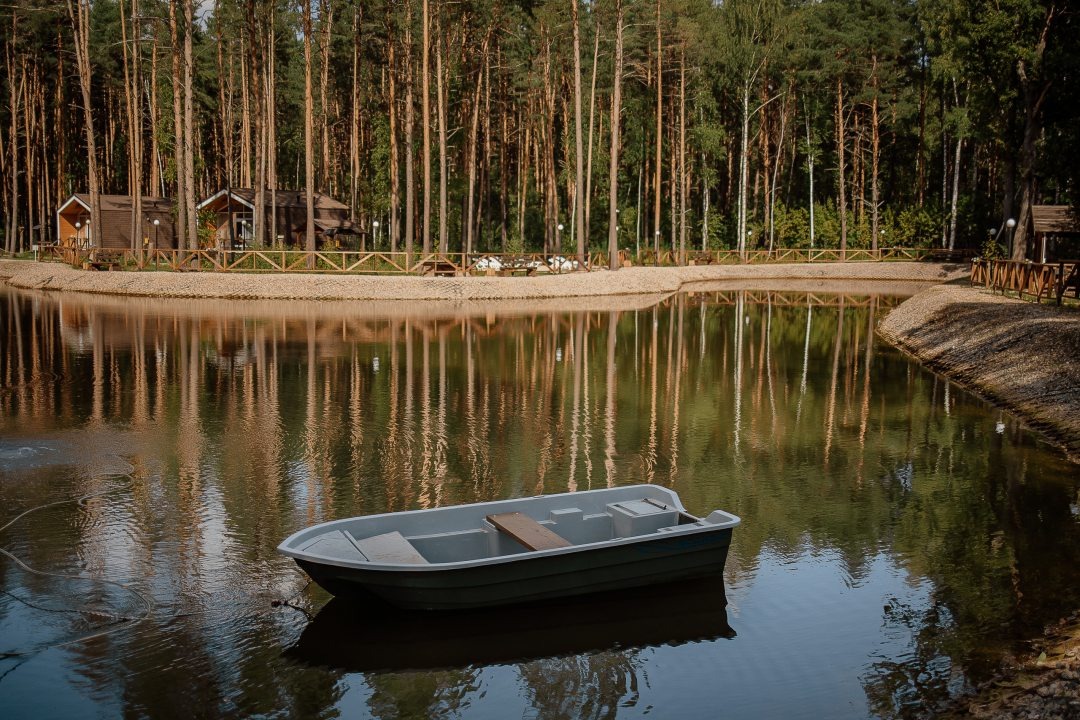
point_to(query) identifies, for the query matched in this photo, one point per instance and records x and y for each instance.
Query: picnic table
(442, 268)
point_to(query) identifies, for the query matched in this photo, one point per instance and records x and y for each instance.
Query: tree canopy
(457, 126)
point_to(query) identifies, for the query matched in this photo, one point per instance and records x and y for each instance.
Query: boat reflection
(367, 635)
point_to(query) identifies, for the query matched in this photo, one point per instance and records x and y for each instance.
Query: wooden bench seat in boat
(391, 547)
(527, 531)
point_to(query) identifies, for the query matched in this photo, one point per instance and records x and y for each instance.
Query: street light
(156, 223)
(375, 225)
(1011, 223)
(558, 237)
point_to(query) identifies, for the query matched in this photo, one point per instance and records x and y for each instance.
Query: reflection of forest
(776, 405)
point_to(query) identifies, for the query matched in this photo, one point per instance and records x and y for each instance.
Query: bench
(526, 270)
(439, 268)
(527, 531)
(101, 265)
(391, 547)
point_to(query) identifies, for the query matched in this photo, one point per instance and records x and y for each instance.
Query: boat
(515, 551)
(343, 637)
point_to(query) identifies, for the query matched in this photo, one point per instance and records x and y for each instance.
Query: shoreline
(30, 275)
(1022, 357)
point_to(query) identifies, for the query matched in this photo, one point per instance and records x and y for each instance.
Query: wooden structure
(362, 262)
(1055, 230)
(234, 212)
(1039, 281)
(527, 532)
(76, 228)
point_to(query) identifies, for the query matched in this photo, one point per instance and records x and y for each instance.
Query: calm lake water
(899, 535)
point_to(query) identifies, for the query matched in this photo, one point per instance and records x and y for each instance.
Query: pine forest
(553, 126)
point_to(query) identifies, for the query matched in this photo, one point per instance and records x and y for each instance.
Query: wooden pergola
(1056, 231)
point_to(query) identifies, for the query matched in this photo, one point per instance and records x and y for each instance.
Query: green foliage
(936, 71)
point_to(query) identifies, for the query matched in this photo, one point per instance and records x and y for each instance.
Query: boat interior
(496, 529)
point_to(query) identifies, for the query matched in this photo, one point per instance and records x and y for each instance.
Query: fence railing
(1038, 281)
(417, 263)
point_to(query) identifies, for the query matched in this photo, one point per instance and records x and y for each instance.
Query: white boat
(516, 551)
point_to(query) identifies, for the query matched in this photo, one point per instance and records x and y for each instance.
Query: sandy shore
(1021, 356)
(628, 281)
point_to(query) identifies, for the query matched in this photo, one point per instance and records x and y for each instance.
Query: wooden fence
(1038, 281)
(401, 263)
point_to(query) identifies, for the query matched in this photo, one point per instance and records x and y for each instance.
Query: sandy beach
(628, 281)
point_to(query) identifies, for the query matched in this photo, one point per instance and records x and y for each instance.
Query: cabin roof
(121, 202)
(1055, 219)
(284, 199)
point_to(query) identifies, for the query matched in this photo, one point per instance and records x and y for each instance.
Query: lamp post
(375, 226)
(1011, 224)
(558, 238)
(78, 234)
(156, 223)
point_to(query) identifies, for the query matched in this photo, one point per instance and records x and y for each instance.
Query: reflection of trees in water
(754, 402)
(581, 686)
(421, 695)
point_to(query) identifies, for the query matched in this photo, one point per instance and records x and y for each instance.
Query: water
(899, 535)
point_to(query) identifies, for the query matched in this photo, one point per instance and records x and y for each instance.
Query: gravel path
(628, 281)
(1021, 356)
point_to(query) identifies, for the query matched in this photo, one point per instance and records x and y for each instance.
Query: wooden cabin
(234, 211)
(77, 228)
(1055, 230)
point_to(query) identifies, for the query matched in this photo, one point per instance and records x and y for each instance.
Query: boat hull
(531, 578)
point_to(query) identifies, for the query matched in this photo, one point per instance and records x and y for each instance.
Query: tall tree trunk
(155, 151)
(613, 171)
(841, 169)
(79, 14)
(1034, 86)
(684, 176)
(425, 115)
(810, 172)
(326, 19)
(875, 196)
(592, 107)
(271, 123)
(441, 101)
(776, 173)
(956, 175)
(659, 133)
(395, 192)
(129, 121)
(137, 122)
(504, 168)
(410, 189)
(15, 90)
(178, 125)
(472, 152)
(744, 164)
(189, 128)
(309, 161)
(354, 122)
(579, 159)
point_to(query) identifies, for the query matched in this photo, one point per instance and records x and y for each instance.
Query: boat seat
(527, 531)
(391, 547)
